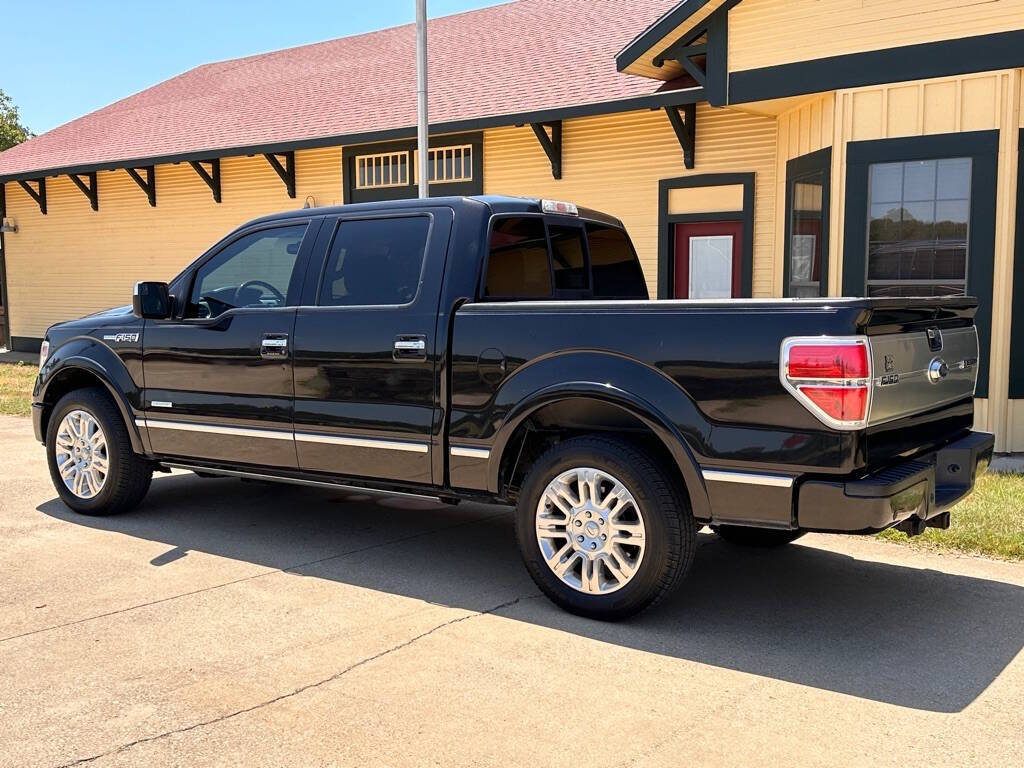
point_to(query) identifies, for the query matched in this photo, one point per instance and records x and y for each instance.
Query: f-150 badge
(890, 377)
(122, 338)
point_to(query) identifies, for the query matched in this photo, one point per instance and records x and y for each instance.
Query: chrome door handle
(274, 345)
(410, 347)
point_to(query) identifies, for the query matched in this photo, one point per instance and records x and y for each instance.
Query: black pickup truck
(504, 349)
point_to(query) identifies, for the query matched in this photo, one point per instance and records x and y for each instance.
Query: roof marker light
(557, 206)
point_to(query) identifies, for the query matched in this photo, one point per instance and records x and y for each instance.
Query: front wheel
(90, 455)
(604, 530)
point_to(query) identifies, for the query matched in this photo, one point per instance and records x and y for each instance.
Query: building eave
(650, 101)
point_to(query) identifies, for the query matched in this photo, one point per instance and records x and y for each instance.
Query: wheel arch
(610, 399)
(75, 366)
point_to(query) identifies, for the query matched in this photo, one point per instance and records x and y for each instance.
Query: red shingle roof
(520, 57)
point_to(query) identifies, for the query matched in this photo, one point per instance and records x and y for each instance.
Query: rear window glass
(518, 264)
(567, 258)
(613, 264)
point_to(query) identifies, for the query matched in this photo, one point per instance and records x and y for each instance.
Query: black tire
(128, 476)
(670, 529)
(756, 537)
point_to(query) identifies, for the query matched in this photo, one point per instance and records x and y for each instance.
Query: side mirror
(151, 300)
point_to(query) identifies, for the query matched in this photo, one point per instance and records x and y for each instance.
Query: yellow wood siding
(725, 199)
(614, 163)
(987, 101)
(802, 130)
(765, 33)
(75, 260)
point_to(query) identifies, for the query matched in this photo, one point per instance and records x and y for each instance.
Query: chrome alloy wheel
(81, 454)
(590, 531)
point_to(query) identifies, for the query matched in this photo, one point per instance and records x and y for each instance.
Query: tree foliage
(11, 129)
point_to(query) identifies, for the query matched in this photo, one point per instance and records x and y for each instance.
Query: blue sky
(65, 59)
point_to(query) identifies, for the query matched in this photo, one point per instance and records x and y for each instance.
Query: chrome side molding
(277, 434)
(471, 453)
(748, 478)
(362, 442)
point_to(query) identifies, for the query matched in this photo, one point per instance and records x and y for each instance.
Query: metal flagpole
(421, 96)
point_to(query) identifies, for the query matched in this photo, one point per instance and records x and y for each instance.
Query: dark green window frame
(800, 169)
(473, 187)
(983, 149)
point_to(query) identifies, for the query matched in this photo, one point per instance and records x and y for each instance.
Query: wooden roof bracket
(147, 185)
(551, 144)
(38, 194)
(211, 177)
(684, 123)
(90, 190)
(286, 171)
(703, 53)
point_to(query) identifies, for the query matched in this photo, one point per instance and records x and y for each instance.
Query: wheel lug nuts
(579, 523)
(593, 545)
(604, 537)
(579, 539)
(588, 514)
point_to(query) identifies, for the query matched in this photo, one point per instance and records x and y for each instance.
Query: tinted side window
(567, 258)
(253, 271)
(613, 263)
(518, 264)
(375, 261)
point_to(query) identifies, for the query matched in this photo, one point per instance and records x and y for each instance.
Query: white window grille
(447, 165)
(389, 169)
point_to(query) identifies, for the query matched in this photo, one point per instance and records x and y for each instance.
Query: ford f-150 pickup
(504, 349)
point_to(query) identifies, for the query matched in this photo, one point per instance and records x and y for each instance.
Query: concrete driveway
(226, 623)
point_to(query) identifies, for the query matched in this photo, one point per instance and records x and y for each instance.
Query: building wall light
(8, 225)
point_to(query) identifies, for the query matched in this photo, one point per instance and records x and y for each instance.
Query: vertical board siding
(987, 101)
(74, 260)
(764, 33)
(614, 163)
(802, 130)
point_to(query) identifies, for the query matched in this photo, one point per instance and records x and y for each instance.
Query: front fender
(86, 355)
(639, 390)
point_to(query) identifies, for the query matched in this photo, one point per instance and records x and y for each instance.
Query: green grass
(16, 381)
(988, 522)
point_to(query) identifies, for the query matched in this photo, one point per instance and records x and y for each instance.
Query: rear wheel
(756, 537)
(90, 455)
(604, 530)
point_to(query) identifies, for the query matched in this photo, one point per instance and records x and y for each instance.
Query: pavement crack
(270, 572)
(301, 689)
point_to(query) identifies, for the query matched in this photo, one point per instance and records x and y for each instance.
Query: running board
(296, 481)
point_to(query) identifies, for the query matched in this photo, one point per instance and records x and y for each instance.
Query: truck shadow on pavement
(915, 638)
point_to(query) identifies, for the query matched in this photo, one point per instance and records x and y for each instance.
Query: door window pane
(254, 271)
(375, 262)
(711, 267)
(518, 265)
(567, 258)
(918, 221)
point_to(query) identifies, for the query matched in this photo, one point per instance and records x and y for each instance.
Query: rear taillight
(830, 377)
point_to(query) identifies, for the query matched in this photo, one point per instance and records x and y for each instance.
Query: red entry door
(708, 260)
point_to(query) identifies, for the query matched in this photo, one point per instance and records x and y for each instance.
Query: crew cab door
(218, 375)
(367, 346)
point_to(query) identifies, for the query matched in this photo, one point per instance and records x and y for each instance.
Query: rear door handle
(410, 347)
(274, 345)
